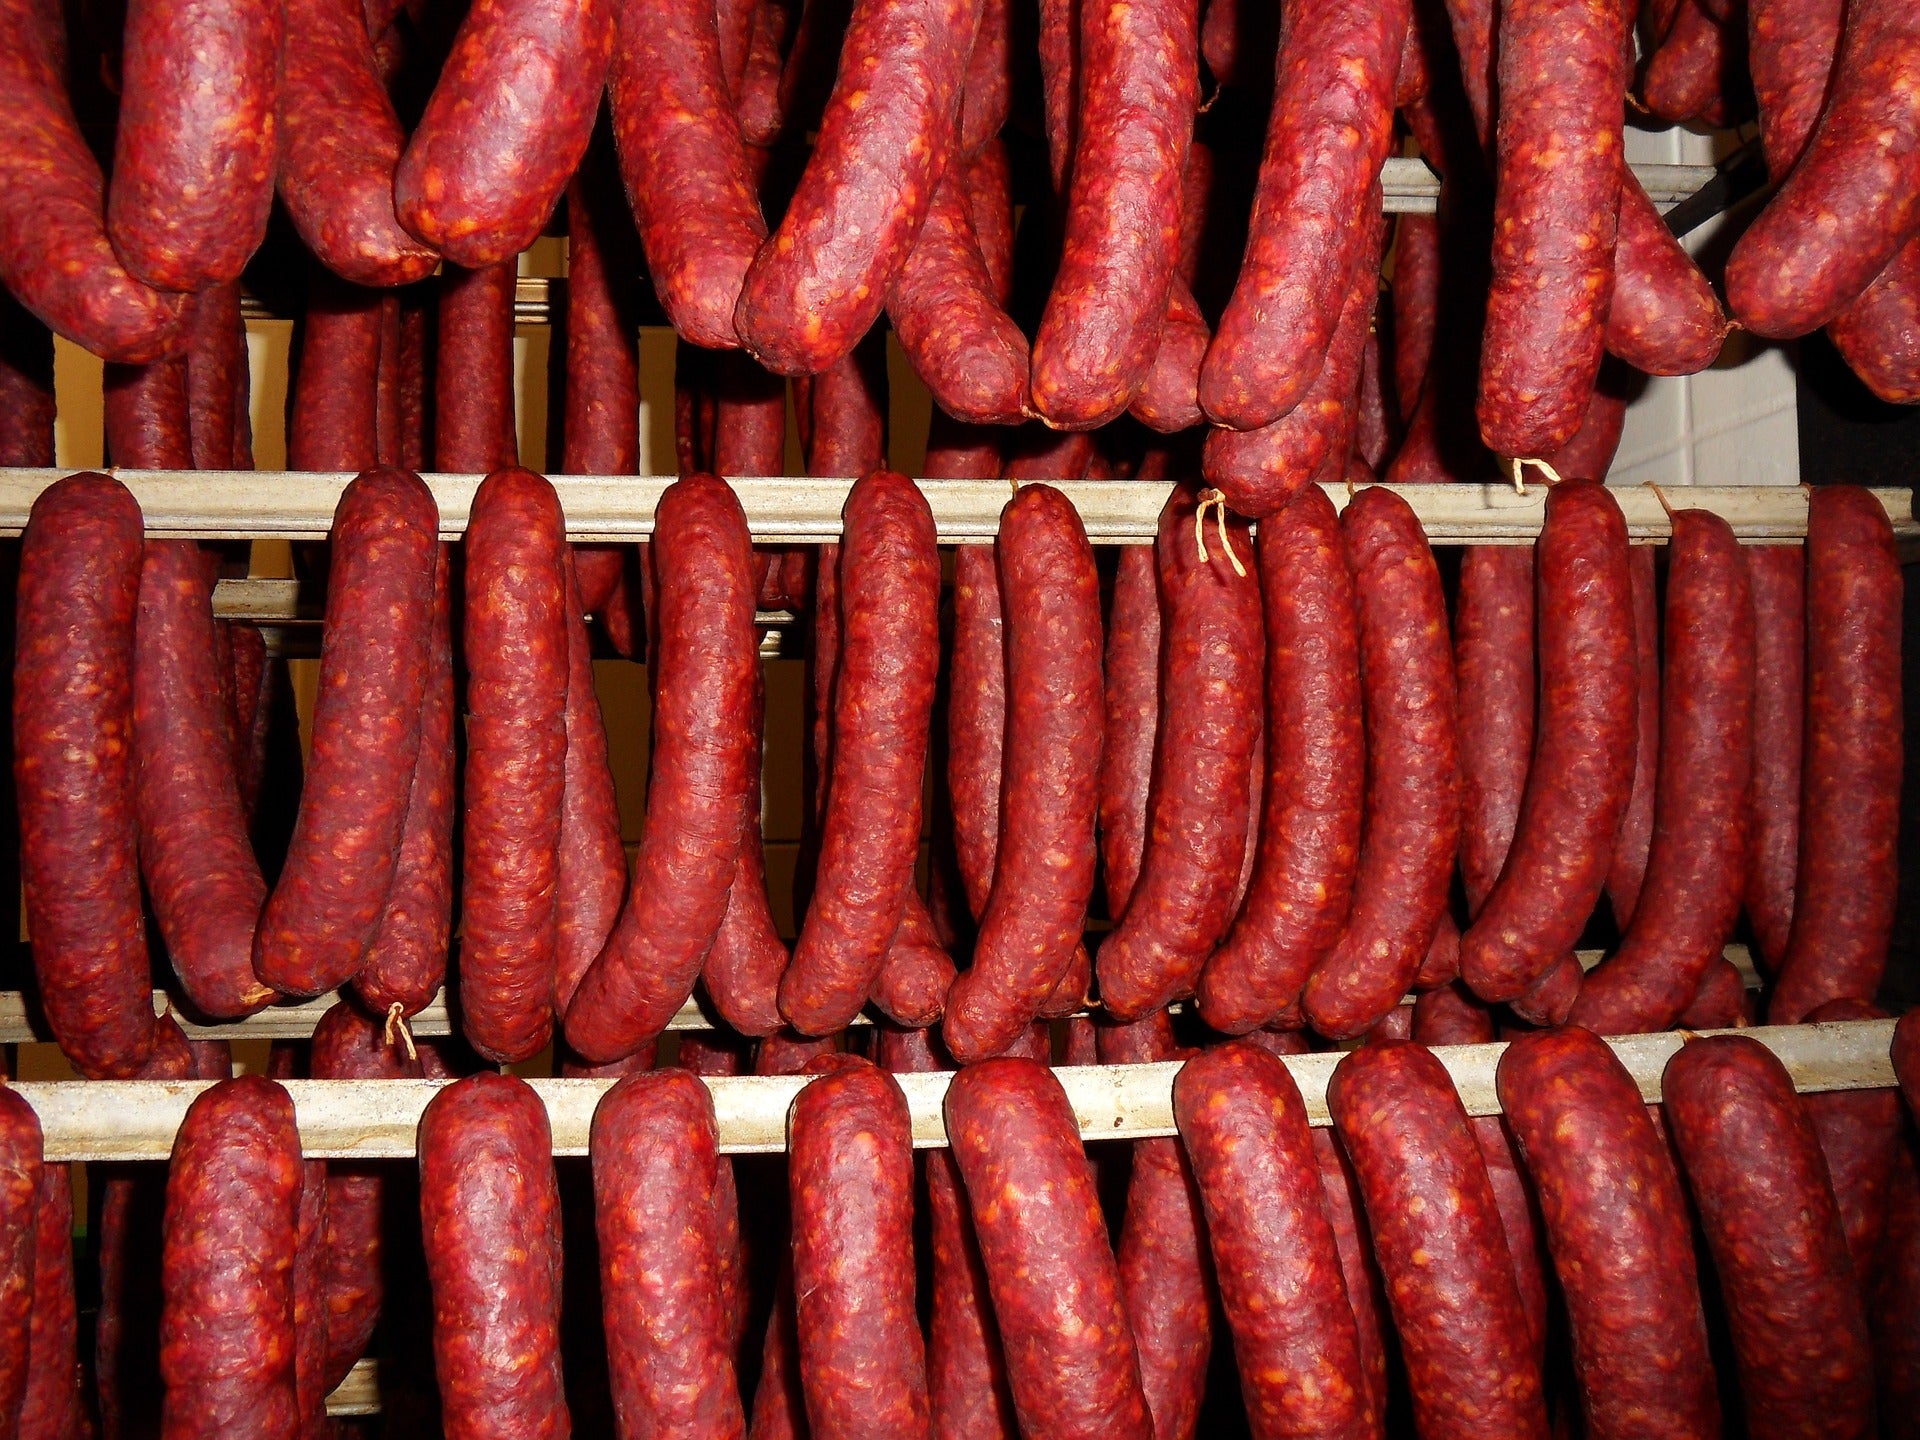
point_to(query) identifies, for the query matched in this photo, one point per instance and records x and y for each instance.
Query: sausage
(1549, 999)
(742, 971)
(55, 257)
(1260, 470)
(406, 962)
(196, 141)
(52, 1405)
(1375, 433)
(490, 1213)
(21, 1172)
(1493, 665)
(1281, 1284)
(1858, 178)
(1627, 866)
(1896, 1337)
(1132, 687)
(1697, 868)
(1236, 38)
(1437, 1236)
(707, 666)
(600, 432)
(216, 375)
(325, 910)
(1451, 1015)
(967, 1390)
(818, 283)
(1415, 305)
(694, 196)
(883, 702)
(1664, 317)
(73, 775)
(505, 127)
(1328, 133)
(990, 206)
(948, 317)
(227, 1304)
(670, 1351)
(333, 419)
(1296, 904)
(987, 93)
(310, 1257)
(1760, 1188)
(408, 361)
(912, 984)
(850, 1174)
(1413, 785)
(1168, 397)
(1719, 1002)
(1138, 89)
(1860, 1134)
(473, 371)
(26, 387)
(1843, 907)
(1043, 866)
(1366, 1296)
(976, 718)
(1202, 766)
(195, 855)
(1683, 77)
(145, 417)
(340, 142)
(1562, 85)
(1583, 761)
(1617, 1223)
(1070, 1355)
(1790, 54)
(757, 96)
(1876, 333)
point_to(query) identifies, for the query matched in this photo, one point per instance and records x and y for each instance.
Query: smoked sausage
(1493, 668)
(21, 1171)
(1861, 1133)
(473, 371)
(1627, 867)
(1133, 711)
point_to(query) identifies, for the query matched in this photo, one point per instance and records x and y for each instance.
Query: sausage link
(227, 1304)
(310, 1317)
(1202, 764)
(409, 360)
(1760, 1188)
(340, 142)
(819, 282)
(1168, 397)
(912, 984)
(473, 371)
(1895, 1298)
(1616, 1221)
(1583, 761)
(976, 718)
(1415, 305)
(1790, 50)
(26, 386)
(889, 651)
(1852, 200)
(216, 373)
(325, 910)
(21, 1172)
(490, 1212)
(1719, 1002)
(1562, 84)
(195, 141)
(1879, 333)
(1244, 1126)
(1860, 1135)
(1627, 866)
(967, 1388)
(1070, 1355)
(1850, 783)
(1413, 782)
(145, 417)
(670, 1352)
(704, 676)
(1044, 856)
(1451, 1015)
(1327, 135)
(333, 417)
(1549, 999)
(1138, 88)
(505, 127)
(1683, 77)
(1697, 867)
(742, 971)
(1493, 665)
(73, 774)
(406, 962)
(1296, 903)
(1438, 1239)
(1366, 1295)
(195, 855)
(990, 206)
(1664, 317)
(600, 434)
(758, 93)
(1133, 709)
(987, 93)
(53, 1406)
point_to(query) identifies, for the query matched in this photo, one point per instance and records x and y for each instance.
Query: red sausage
(1664, 317)
(1860, 1135)
(818, 283)
(21, 1174)
(1407, 1136)
(216, 377)
(987, 94)
(1296, 904)
(1627, 867)
(407, 960)
(1451, 1015)
(1281, 1284)
(850, 1173)
(966, 1371)
(912, 984)
(1044, 857)
(227, 1311)
(147, 424)
(1790, 50)
(1562, 86)
(1850, 785)
(670, 1351)
(1416, 305)
(1582, 769)
(1895, 1303)
(1133, 709)
(1493, 665)
(1760, 1187)
(1070, 1354)
(1366, 1296)
(196, 140)
(26, 386)
(1138, 87)
(990, 205)
(1413, 784)
(473, 371)
(310, 1317)
(1720, 1000)
(1550, 997)
(195, 854)
(325, 910)
(977, 718)
(53, 1405)
(689, 854)
(1684, 74)
(490, 1214)
(73, 773)
(505, 127)
(1202, 765)
(1328, 132)
(1697, 867)
(340, 141)
(889, 650)
(694, 196)
(1879, 333)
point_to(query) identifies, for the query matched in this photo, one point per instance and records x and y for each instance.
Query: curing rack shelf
(259, 504)
(377, 1119)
